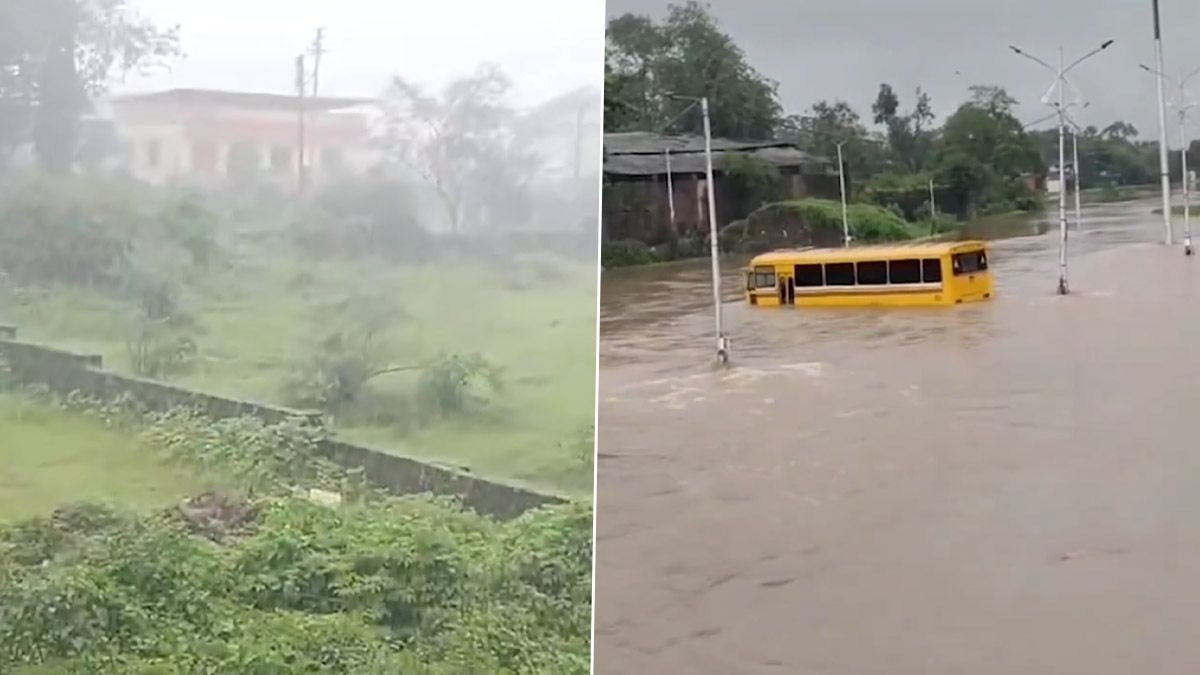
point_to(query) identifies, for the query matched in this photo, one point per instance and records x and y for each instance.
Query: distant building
(211, 136)
(638, 205)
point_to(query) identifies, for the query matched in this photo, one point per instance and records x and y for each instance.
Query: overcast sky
(843, 49)
(546, 46)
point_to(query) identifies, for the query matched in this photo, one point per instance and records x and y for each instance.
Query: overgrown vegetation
(171, 285)
(814, 222)
(255, 579)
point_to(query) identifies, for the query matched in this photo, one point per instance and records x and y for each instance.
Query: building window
(153, 153)
(281, 159)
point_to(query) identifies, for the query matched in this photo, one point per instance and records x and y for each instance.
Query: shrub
(83, 229)
(752, 182)
(156, 349)
(380, 586)
(66, 229)
(457, 385)
(626, 253)
(814, 222)
(364, 217)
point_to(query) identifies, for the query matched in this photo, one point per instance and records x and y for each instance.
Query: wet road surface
(1010, 487)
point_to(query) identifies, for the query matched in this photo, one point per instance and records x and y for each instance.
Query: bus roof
(874, 252)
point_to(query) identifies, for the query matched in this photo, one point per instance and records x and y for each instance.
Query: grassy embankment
(52, 456)
(261, 314)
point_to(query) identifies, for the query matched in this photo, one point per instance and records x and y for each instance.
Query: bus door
(787, 289)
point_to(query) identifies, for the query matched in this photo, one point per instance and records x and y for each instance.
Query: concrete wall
(66, 372)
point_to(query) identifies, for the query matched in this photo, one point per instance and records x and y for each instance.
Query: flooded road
(1011, 487)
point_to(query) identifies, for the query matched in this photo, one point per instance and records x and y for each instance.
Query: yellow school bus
(943, 273)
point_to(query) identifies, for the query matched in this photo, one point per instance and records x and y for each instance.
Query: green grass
(260, 316)
(49, 457)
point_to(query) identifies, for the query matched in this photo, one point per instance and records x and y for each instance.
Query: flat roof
(870, 252)
(243, 99)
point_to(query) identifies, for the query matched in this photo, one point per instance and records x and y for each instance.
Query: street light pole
(1060, 82)
(1062, 184)
(715, 250)
(1075, 175)
(1187, 188)
(1182, 105)
(1164, 171)
(715, 247)
(842, 182)
(670, 192)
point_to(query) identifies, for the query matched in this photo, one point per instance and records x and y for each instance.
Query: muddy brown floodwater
(1011, 487)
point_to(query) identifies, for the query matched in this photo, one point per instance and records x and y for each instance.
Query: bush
(458, 385)
(83, 229)
(375, 588)
(364, 217)
(752, 182)
(158, 350)
(814, 222)
(626, 253)
(244, 452)
(66, 229)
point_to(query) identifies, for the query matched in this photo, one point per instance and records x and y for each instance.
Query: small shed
(646, 174)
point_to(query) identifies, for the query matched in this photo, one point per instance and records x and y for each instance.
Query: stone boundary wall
(65, 372)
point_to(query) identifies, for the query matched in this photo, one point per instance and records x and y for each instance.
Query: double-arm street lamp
(714, 249)
(1182, 105)
(1060, 84)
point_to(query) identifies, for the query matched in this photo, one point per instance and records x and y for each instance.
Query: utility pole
(932, 210)
(302, 138)
(318, 50)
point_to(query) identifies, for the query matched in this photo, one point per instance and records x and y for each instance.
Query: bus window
(931, 271)
(872, 273)
(970, 263)
(749, 281)
(904, 271)
(839, 274)
(808, 276)
(764, 277)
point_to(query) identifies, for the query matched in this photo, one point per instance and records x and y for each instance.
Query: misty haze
(297, 336)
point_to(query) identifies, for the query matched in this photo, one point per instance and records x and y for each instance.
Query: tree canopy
(57, 54)
(653, 69)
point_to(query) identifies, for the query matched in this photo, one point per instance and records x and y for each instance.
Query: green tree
(463, 143)
(908, 135)
(983, 150)
(689, 56)
(57, 54)
(830, 123)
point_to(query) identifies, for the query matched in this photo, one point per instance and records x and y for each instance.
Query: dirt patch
(219, 515)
